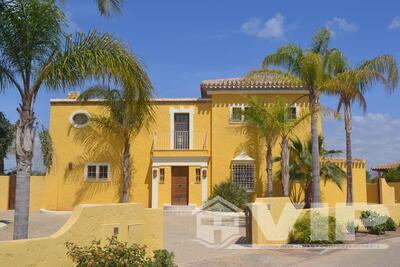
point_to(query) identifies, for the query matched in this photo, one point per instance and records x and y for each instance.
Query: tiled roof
(261, 83)
(387, 166)
(161, 100)
(264, 82)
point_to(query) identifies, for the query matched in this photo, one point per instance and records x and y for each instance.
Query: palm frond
(385, 65)
(287, 56)
(96, 56)
(109, 7)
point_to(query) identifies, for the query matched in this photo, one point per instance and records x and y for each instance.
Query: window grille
(243, 175)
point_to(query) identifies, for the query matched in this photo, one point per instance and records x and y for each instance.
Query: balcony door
(181, 132)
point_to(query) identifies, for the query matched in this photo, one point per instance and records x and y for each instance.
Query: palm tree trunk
(126, 172)
(349, 160)
(24, 141)
(308, 194)
(269, 170)
(285, 166)
(314, 105)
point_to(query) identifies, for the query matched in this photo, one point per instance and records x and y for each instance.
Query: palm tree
(35, 53)
(258, 115)
(351, 84)
(309, 69)
(128, 111)
(301, 165)
(285, 125)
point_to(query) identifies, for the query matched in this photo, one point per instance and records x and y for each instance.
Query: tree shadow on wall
(254, 147)
(97, 146)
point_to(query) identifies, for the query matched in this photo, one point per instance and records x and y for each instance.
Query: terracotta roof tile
(244, 84)
(387, 166)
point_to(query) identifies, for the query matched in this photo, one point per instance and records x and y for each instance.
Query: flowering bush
(117, 253)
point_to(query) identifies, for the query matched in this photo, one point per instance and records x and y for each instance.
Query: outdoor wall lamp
(70, 166)
(204, 173)
(154, 173)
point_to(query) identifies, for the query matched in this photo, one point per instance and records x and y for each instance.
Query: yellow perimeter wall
(135, 224)
(273, 218)
(383, 192)
(36, 193)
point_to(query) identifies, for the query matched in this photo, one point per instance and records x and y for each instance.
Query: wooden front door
(180, 177)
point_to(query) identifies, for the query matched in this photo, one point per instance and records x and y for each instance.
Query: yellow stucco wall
(330, 192)
(372, 193)
(273, 218)
(396, 187)
(64, 186)
(230, 139)
(87, 223)
(36, 192)
(4, 187)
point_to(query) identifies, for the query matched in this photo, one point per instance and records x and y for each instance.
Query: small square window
(236, 114)
(91, 171)
(162, 176)
(198, 176)
(293, 112)
(97, 172)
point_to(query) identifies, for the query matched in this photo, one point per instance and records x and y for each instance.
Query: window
(243, 175)
(79, 118)
(162, 176)
(237, 113)
(198, 176)
(97, 172)
(293, 112)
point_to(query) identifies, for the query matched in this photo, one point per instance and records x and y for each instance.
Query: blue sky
(183, 42)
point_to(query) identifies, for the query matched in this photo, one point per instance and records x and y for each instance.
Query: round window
(79, 119)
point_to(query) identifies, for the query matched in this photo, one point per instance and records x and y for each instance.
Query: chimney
(73, 95)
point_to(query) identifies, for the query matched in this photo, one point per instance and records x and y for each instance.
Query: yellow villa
(192, 145)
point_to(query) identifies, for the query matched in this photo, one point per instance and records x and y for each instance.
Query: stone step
(180, 210)
(180, 207)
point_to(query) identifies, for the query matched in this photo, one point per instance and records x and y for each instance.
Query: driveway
(181, 238)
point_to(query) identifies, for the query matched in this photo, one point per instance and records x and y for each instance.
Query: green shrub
(375, 223)
(117, 253)
(301, 232)
(352, 228)
(390, 225)
(231, 192)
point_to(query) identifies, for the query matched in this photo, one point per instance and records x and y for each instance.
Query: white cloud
(339, 25)
(273, 28)
(395, 23)
(374, 137)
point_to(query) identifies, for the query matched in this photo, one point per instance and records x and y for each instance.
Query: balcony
(181, 141)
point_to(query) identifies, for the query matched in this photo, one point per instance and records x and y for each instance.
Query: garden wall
(383, 192)
(273, 218)
(36, 193)
(133, 222)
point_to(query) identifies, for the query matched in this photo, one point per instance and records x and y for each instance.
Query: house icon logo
(219, 223)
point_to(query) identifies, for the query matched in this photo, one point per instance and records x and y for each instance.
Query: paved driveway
(180, 237)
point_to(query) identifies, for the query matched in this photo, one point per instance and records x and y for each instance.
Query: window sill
(93, 180)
